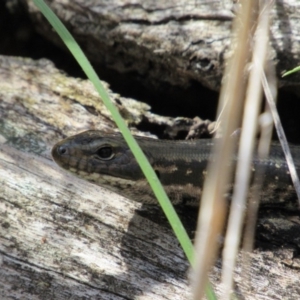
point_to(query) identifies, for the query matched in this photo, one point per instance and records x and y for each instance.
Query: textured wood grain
(175, 41)
(64, 238)
(61, 237)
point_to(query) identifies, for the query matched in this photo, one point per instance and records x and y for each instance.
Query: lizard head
(92, 154)
(106, 160)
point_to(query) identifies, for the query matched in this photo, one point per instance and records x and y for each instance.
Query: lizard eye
(105, 153)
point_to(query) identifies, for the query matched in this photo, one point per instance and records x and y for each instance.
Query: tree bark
(63, 238)
(169, 41)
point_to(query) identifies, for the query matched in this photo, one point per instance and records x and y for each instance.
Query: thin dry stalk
(213, 203)
(266, 125)
(282, 138)
(245, 153)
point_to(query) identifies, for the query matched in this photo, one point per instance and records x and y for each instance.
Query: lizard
(106, 160)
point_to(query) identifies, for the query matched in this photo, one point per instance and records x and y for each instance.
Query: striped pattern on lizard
(106, 160)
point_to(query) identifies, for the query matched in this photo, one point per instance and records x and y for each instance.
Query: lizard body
(106, 160)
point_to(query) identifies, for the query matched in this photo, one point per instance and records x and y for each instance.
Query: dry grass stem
(266, 129)
(281, 136)
(245, 153)
(213, 203)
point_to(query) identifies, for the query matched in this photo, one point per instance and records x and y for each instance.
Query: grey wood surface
(63, 238)
(174, 41)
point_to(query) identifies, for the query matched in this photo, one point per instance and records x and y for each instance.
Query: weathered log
(168, 41)
(63, 238)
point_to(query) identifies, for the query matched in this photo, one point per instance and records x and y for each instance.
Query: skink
(106, 160)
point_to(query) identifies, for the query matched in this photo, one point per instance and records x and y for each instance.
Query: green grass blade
(136, 150)
(297, 69)
(141, 158)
